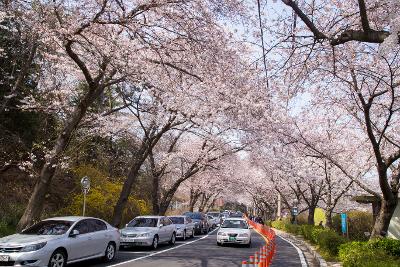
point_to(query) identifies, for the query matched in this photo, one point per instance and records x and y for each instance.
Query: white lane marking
(301, 255)
(134, 252)
(162, 251)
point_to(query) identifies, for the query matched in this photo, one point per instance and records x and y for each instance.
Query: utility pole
(279, 207)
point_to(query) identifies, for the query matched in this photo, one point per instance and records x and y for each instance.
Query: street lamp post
(85, 183)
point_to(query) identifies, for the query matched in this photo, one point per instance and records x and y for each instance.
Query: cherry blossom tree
(102, 44)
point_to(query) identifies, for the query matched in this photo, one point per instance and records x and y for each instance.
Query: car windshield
(197, 216)
(214, 214)
(234, 224)
(177, 220)
(143, 222)
(50, 227)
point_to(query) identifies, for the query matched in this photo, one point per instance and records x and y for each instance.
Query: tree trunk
(127, 187)
(382, 221)
(35, 205)
(310, 218)
(329, 222)
(155, 198)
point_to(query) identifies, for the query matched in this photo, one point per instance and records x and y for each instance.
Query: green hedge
(359, 223)
(383, 252)
(286, 226)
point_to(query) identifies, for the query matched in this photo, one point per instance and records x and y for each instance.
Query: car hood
(234, 230)
(22, 240)
(138, 230)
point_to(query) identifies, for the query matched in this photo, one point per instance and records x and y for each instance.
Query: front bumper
(37, 258)
(179, 233)
(137, 241)
(236, 240)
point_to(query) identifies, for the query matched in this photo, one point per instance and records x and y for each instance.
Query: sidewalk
(310, 253)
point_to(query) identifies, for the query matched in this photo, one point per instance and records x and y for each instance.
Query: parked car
(148, 231)
(57, 241)
(216, 218)
(201, 225)
(212, 222)
(234, 231)
(184, 226)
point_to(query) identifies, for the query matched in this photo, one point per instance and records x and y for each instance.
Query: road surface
(201, 251)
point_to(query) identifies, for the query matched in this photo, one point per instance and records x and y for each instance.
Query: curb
(321, 262)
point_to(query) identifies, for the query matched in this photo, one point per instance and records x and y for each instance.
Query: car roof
(70, 218)
(179, 216)
(151, 216)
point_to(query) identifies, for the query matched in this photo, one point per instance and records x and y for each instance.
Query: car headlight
(33, 247)
(222, 233)
(143, 235)
(243, 235)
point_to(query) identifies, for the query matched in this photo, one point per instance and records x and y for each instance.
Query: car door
(162, 230)
(99, 236)
(78, 247)
(171, 227)
(190, 226)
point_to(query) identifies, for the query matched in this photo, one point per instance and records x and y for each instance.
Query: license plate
(128, 240)
(4, 258)
(231, 238)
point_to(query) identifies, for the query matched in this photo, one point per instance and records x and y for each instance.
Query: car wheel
(173, 239)
(154, 245)
(184, 235)
(58, 259)
(110, 252)
(192, 235)
(219, 244)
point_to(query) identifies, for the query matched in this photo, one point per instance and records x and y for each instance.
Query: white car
(234, 231)
(148, 231)
(57, 241)
(184, 226)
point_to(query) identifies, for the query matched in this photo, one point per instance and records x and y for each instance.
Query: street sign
(295, 211)
(343, 216)
(85, 183)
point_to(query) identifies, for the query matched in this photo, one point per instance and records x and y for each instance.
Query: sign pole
(84, 204)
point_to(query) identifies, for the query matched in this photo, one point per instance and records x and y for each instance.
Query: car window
(83, 227)
(96, 225)
(234, 224)
(167, 221)
(143, 222)
(177, 220)
(48, 227)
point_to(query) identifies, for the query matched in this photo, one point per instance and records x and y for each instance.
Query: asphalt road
(201, 251)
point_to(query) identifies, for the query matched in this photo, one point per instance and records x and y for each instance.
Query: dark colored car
(200, 220)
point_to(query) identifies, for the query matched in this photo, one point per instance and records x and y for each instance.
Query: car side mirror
(126, 225)
(74, 233)
(161, 225)
(251, 227)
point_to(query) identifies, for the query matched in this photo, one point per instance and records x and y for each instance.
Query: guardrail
(264, 256)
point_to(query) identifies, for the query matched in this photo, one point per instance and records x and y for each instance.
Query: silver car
(57, 241)
(148, 231)
(184, 226)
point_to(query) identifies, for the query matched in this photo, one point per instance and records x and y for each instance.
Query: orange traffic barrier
(263, 257)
